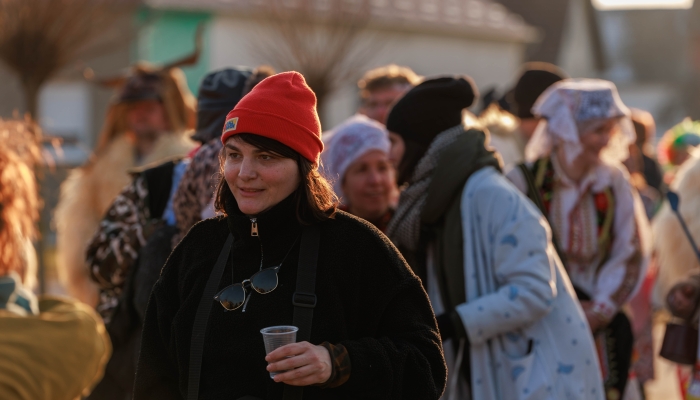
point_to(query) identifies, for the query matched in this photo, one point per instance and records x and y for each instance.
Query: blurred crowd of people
(536, 222)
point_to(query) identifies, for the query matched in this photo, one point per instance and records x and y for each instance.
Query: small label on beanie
(230, 124)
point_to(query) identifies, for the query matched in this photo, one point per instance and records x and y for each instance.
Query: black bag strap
(532, 191)
(304, 298)
(199, 327)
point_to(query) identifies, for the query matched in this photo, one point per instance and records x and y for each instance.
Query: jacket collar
(277, 227)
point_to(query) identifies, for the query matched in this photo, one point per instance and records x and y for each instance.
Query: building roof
(473, 18)
(550, 16)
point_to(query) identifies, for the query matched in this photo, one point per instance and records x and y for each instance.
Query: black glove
(451, 326)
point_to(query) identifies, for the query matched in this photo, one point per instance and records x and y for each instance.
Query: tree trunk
(31, 104)
(31, 99)
(320, 107)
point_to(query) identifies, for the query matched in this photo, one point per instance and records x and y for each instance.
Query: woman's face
(258, 179)
(594, 140)
(369, 185)
(398, 148)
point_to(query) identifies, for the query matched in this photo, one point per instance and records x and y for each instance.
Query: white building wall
(66, 111)
(487, 62)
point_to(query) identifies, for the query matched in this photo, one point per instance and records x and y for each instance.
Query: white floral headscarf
(570, 104)
(349, 141)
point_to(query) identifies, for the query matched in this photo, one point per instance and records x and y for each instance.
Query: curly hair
(19, 201)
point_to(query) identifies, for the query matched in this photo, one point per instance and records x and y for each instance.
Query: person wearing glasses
(373, 335)
(381, 87)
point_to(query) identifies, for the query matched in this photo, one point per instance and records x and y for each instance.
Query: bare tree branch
(40, 37)
(322, 39)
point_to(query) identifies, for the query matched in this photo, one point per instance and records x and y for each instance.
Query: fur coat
(85, 196)
(505, 136)
(674, 253)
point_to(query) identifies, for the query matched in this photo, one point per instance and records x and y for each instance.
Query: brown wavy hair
(19, 201)
(314, 198)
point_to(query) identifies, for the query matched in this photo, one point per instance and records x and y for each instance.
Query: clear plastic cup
(276, 337)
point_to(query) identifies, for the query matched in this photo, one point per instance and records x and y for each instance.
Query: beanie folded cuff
(276, 127)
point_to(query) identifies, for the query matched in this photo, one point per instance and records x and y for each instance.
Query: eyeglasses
(234, 296)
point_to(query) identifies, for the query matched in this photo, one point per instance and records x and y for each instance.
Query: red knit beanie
(281, 107)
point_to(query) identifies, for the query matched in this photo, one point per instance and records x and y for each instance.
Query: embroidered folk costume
(598, 222)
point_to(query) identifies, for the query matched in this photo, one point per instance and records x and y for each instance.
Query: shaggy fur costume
(85, 196)
(504, 135)
(675, 256)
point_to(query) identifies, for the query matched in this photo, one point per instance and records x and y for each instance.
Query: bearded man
(150, 120)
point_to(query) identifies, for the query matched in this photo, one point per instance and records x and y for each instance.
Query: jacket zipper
(254, 227)
(254, 232)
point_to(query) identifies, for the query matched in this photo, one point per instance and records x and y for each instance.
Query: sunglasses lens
(231, 297)
(265, 281)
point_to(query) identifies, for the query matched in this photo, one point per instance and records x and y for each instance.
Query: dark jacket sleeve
(157, 373)
(405, 360)
(395, 349)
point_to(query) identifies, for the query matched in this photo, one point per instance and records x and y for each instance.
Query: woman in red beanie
(366, 329)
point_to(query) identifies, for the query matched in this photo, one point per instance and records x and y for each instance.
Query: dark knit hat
(281, 107)
(535, 79)
(219, 92)
(432, 107)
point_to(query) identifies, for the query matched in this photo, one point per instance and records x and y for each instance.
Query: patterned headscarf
(568, 107)
(355, 137)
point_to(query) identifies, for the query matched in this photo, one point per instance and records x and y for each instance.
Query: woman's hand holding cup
(304, 364)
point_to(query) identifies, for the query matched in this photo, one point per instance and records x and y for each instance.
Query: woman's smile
(249, 192)
(258, 179)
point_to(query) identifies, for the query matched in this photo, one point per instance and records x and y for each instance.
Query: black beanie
(535, 79)
(430, 108)
(219, 92)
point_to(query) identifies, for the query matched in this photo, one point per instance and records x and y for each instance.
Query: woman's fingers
(288, 351)
(289, 363)
(304, 363)
(306, 375)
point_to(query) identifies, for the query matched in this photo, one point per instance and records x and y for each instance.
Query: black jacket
(368, 300)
